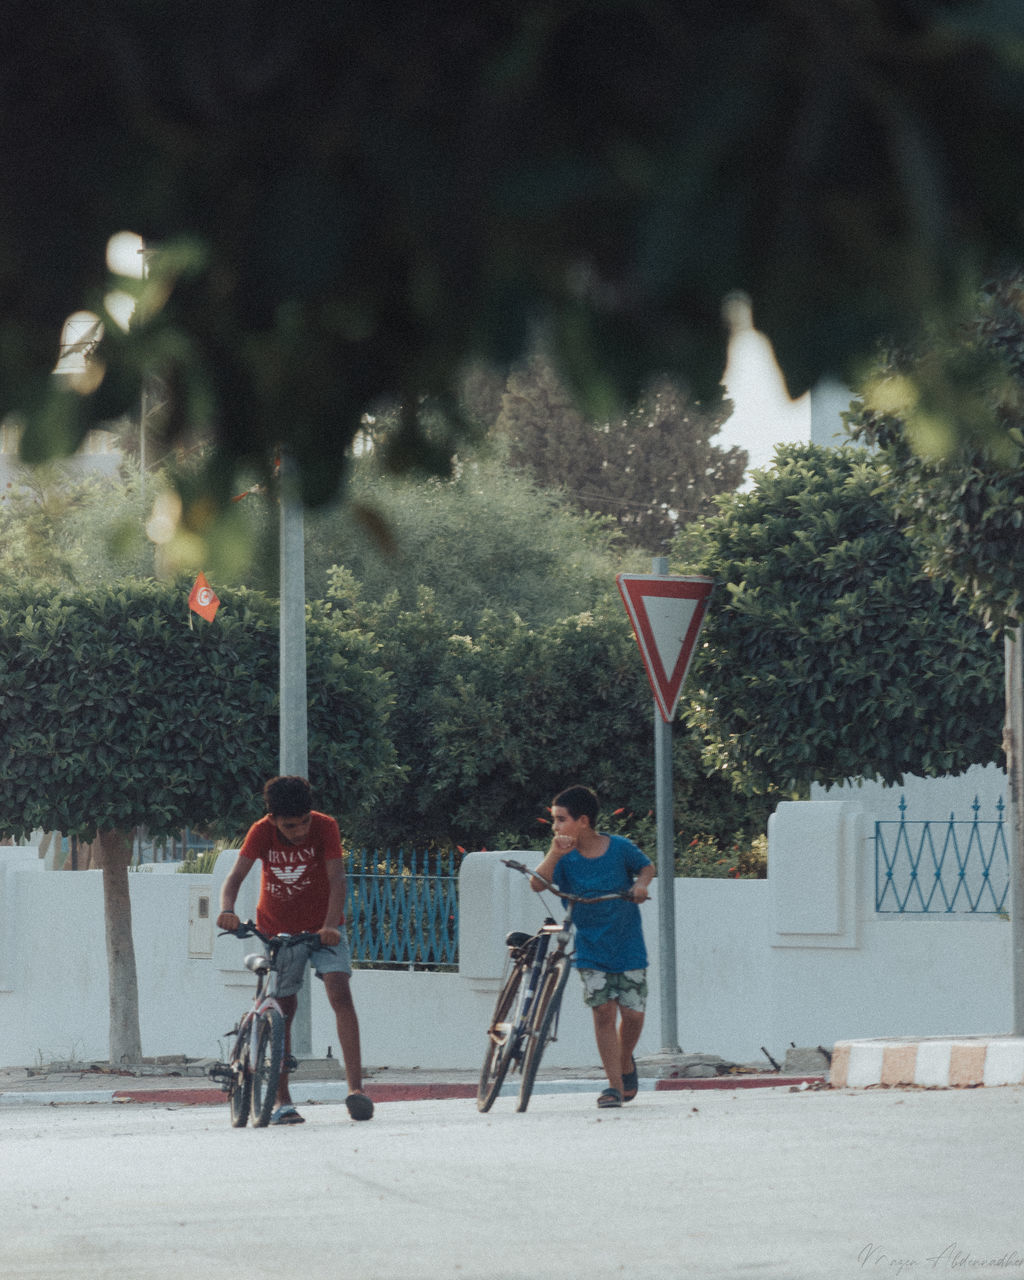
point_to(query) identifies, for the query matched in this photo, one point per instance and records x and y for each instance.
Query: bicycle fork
(264, 1006)
(560, 933)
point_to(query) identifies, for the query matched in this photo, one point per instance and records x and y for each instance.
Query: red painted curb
(417, 1092)
(420, 1092)
(187, 1097)
(378, 1092)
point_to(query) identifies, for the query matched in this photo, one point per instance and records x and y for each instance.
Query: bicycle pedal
(221, 1072)
(291, 1063)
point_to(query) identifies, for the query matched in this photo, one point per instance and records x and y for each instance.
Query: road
(747, 1183)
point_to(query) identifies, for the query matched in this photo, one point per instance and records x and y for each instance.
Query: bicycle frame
(540, 945)
(265, 1013)
(549, 931)
(527, 1012)
(265, 997)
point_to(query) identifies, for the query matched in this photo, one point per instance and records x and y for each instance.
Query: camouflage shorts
(629, 988)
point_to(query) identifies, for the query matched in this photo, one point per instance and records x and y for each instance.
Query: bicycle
(526, 1013)
(251, 1074)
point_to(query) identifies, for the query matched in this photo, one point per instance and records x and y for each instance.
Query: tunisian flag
(202, 600)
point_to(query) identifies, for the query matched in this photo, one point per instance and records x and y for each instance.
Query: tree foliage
(485, 539)
(353, 202)
(490, 725)
(964, 497)
(652, 471)
(72, 532)
(116, 713)
(827, 653)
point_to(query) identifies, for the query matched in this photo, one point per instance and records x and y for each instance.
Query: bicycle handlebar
(247, 929)
(562, 893)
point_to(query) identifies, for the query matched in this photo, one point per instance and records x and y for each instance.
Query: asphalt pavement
(714, 1183)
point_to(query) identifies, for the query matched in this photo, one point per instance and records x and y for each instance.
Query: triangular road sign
(666, 613)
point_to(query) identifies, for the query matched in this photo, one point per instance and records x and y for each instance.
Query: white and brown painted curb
(940, 1062)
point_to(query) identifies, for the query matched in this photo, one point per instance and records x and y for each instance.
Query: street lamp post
(294, 742)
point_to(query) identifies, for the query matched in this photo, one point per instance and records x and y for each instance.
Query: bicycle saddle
(517, 939)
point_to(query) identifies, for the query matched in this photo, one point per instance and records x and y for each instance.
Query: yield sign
(666, 614)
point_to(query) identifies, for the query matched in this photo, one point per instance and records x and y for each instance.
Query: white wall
(927, 798)
(798, 958)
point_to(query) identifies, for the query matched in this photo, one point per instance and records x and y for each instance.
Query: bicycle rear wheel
(502, 1037)
(542, 1024)
(240, 1089)
(266, 1066)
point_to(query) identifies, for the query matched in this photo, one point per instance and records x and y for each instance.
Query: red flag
(202, 600)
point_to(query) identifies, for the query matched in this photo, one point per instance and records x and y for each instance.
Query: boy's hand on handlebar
(639, 892)
(329, 936)
(228, 921)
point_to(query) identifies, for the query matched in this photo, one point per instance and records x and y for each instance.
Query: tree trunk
(115, 851)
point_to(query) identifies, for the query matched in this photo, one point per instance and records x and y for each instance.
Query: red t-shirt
(294, 889)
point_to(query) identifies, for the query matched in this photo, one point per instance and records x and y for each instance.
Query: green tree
(116, 713)
(963, 492)
(652, 471)
(72, 531)
(353, 202)
(827, 653)
(488, 725)
(486, 539)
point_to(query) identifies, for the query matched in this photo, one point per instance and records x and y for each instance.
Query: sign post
(666, 614)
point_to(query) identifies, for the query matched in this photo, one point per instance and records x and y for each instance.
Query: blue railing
(952, 868)
(403, 909)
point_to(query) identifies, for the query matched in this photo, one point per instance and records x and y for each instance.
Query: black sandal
(609, 1098)
(360, 1107)
(630, 1083)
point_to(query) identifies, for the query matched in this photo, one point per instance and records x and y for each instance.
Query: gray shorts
(628, 989)
(292, 961)
(332, 959)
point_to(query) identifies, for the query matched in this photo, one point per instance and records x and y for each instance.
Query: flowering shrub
(702, 856)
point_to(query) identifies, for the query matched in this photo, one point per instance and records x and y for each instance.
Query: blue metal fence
(403, 909)
(949, 867)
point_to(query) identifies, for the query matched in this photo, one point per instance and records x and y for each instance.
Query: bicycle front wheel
(240, 1090)
(502, 1037)
(266, 1066)
(542, 1024)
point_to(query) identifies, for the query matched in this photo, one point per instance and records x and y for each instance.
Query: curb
(330, 1092)
(951, 1062)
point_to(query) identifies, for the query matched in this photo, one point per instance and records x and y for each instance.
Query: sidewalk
(929, 1062)
(185, 1082)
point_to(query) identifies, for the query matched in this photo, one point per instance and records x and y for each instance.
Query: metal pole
(294, 754)
(665, 818)
(145, 403)
(294, 750)
(1014, 746)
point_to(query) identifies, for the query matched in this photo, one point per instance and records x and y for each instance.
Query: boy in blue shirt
(610, 951)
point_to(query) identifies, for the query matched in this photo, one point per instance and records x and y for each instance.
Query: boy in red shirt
(302, 889)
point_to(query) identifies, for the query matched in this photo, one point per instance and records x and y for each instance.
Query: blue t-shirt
(609, 936)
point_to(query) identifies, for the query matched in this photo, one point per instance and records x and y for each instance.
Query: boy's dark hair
(288, 797)
(581, 802)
